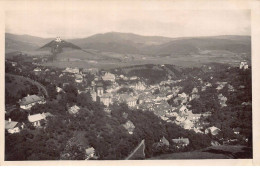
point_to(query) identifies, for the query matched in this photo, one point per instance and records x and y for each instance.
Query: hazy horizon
(125, 33)
(166, 23)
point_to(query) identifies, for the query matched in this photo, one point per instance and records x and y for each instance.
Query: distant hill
(119, 42)
(156, 45)
(235, 44)
(23, 42)
(128, 43)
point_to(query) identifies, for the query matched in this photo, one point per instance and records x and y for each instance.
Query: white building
(71, 70)
(213, 130)
(243, 65)
(106, 99)
(131, 101)
(100, 91)
(74, 109)
(90, 153)
(109, 77)
(36, 119)
(140, 86)
(12, 126)
(37, 69)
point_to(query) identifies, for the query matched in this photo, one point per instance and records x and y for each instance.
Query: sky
(169, 23)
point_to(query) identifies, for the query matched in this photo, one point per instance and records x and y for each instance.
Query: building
(71, 70)
(213, 130)
(30, 100)
(181, 142)
(129, 126)
(12, 126)
(106, 99)
(100, 91)
(183, 111)
(74, 109)
(14, 63)
(90, 70)
(222, 100)
(139, 86)
(58, 89)
(37, 69)
(164, 141)
(187, 124)
(133, 78)
(90, 153)
(236, 130)
(93, 95)
(36, 119)
(109, 77)
(129, 100)
(243, 65)
(79, 79)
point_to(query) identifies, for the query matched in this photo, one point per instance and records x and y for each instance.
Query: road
(39, 85)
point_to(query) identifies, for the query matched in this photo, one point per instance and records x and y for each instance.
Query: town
(175, 100)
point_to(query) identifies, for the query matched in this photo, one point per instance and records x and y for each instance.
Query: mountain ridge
(130, 43)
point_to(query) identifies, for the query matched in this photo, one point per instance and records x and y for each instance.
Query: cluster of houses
(36, 120)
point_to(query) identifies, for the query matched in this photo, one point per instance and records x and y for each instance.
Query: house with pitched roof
(36, 119)
(212, 130)
(12, 126)
(27, 102)
(74, 109)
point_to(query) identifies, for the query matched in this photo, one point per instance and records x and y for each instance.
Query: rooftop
(10, 125)
(31, 99)
(36, 117)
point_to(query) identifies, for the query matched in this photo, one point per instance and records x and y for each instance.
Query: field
(214, 152)
(87, 58)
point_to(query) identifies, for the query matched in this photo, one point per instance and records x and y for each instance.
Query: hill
(59, 45)
(130, 48)
(23, 42)
(234, 44)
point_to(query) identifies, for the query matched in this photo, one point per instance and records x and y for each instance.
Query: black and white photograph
(116, 83)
